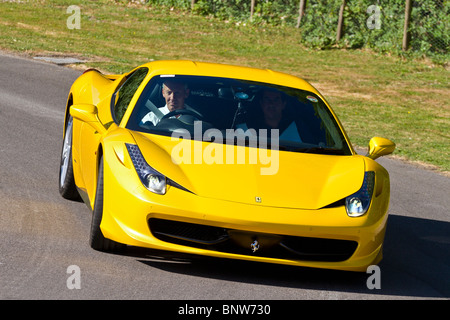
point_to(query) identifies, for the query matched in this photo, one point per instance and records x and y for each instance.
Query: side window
(126, 92)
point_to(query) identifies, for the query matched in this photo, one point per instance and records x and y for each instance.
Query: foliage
(182, 4)
(429, 22)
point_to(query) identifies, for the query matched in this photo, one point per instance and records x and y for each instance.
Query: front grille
(240, 241)
(187, 232)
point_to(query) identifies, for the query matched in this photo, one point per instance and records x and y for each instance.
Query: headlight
(151, 179)
(358, 203)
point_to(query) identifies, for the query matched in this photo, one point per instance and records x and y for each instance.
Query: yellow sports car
(222, 161)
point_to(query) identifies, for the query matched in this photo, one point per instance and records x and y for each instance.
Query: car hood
(289, 180)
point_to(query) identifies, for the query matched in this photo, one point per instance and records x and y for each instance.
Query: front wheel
(97, 241)
(67, 187)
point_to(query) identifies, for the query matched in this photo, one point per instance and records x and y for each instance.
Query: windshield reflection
(222, 110)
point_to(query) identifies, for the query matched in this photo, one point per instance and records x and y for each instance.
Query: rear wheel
(97, 241)
(67, 187)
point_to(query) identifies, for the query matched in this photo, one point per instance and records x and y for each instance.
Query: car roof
(187, 67)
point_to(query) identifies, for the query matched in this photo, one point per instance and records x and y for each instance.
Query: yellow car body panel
(301, 200)
(122, 223)
(340, 176)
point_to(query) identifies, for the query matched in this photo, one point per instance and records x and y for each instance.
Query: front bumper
(325, 238)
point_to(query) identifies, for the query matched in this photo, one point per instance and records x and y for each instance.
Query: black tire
(67, 187)
(97, 241)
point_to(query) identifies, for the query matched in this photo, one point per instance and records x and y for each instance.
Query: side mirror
(379, 147)
(87, 113)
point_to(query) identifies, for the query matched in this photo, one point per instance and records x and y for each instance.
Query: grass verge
(373, 94)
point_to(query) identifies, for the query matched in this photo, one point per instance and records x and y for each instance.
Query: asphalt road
(42, 235)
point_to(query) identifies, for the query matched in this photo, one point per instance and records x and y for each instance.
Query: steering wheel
(190, 112)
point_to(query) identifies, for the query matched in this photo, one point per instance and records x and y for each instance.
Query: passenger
(273, 104)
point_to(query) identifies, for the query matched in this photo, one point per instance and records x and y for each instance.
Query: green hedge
(429, 22)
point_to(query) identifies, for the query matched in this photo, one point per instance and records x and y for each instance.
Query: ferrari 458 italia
(223, 161)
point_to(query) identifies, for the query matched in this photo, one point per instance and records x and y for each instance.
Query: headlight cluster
(358, 203)
(151, 179)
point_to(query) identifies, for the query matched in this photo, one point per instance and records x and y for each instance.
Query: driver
(175, 93)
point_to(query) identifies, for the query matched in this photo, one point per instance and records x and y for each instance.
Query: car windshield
(225, 110)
